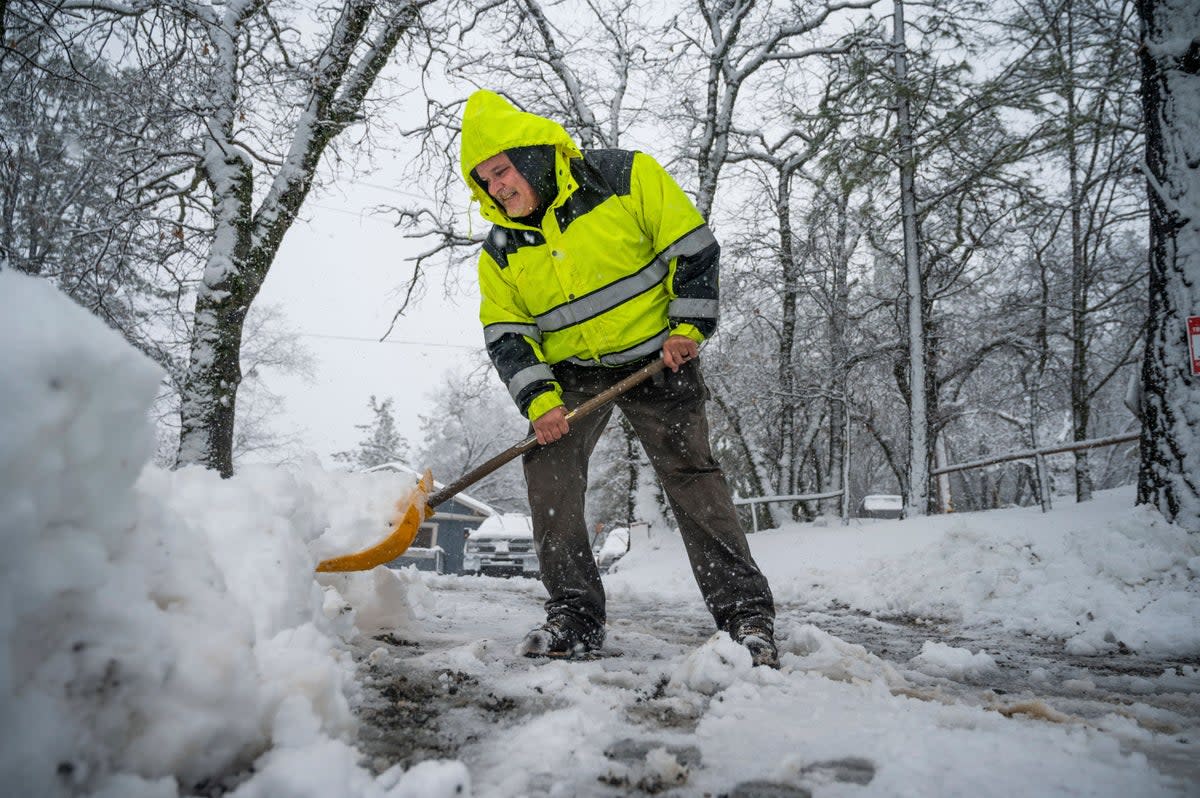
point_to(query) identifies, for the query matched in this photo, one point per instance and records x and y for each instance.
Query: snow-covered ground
(163, 634)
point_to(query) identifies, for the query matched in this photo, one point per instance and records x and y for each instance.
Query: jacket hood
(491, 125)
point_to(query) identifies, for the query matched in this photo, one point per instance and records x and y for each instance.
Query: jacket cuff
(690, 330)
(544, 402)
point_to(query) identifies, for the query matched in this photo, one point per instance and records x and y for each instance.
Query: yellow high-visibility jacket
(621, 259)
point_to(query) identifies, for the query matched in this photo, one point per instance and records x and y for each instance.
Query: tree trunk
(214, 369)
(918, 441)
(1080, 408)
(1169, 476)
(839, 314)
(945, 500)
(209, 398)
(786, 483)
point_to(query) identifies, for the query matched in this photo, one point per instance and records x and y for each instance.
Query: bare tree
(917, 500)
(806, 281)
(744, 93)
(740, 38)
(1082, 83)
(835, 232)
(70, 124)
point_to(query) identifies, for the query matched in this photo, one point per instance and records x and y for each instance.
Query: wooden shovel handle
(591, 405)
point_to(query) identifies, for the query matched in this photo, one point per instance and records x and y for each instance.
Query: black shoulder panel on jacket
(614, 166)
(504, 241)
(600, 174)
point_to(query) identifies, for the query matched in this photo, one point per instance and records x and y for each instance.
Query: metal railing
(803, 497)
(1039, 460)
(1038, 455)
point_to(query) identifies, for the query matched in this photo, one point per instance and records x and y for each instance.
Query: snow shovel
(419, 505)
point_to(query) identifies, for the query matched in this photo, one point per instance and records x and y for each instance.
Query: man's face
(508, 186)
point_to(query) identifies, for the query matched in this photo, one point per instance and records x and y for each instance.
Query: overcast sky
(338, 279)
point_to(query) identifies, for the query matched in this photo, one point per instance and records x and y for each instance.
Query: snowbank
(164, 631)
(1098, 576)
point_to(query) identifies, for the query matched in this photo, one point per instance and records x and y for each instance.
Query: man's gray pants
(668, 415)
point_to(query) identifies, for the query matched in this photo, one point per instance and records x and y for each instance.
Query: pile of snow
(162, 631)
(939, 659)
(816, 651)
(711, 668)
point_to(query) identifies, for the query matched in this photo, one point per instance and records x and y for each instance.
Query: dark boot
(560, 638)
(756, 635)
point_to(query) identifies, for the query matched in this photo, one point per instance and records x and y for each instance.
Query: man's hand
(551, 425)
(679, 349)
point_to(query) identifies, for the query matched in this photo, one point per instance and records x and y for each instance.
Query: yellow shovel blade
(411, 511)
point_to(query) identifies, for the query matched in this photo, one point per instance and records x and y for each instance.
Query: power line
(389, 341)
(362, 215)
(381, 187)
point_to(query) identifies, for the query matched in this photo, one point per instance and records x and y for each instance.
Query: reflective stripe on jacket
(621, 259)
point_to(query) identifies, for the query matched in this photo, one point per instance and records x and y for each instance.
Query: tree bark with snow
(1169, 477)
(791, 263)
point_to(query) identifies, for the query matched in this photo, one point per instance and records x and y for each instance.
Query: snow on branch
(333, 104)
(791, 55)
(131, 9)
(766, 49)
(1172, 207)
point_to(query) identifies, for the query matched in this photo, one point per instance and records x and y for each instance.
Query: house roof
(461, 498)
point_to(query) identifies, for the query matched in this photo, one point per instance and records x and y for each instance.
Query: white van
(502, 546)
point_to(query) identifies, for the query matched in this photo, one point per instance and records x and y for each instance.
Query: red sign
(1194, 343)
